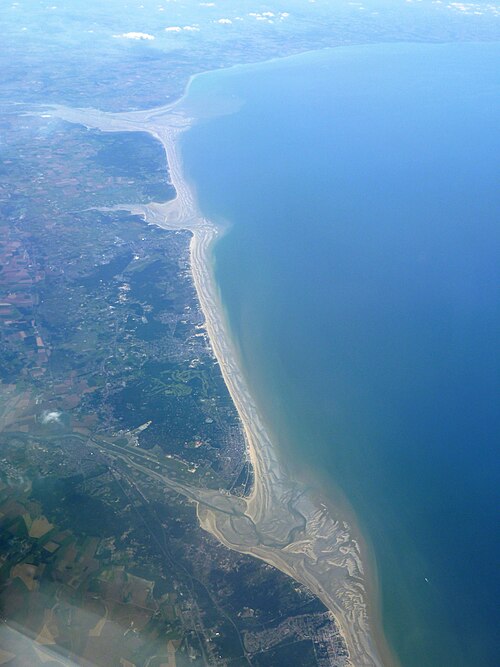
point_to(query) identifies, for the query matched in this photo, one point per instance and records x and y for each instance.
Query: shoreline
(280, 521)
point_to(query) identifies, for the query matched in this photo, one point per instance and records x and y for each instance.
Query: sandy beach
(280, 522)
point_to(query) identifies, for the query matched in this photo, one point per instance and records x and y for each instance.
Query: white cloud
(51, 417)
(470, 8)
(187, 28)
(268, 16)
(224, 21)
(135, 35)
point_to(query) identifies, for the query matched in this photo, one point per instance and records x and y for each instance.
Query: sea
(359, 191)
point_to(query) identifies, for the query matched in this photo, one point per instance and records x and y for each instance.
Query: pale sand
(279, 522)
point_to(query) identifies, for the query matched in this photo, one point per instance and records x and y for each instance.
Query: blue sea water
(360, 276)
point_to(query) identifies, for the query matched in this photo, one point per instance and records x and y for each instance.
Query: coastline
(280, 522)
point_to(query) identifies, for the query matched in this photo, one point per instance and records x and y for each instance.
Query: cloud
(187, 28)
(51, 417)
(472, 8)
(224, 21)
(269, 16)
(135, 35)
